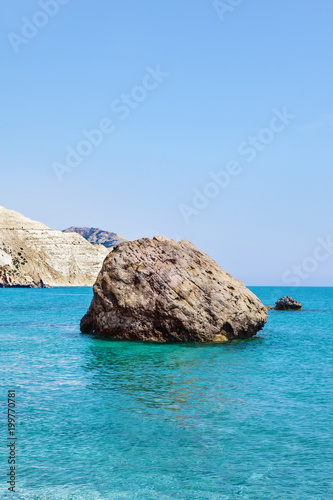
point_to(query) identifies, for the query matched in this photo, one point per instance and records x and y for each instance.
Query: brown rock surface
(160, 290)
(287, 304)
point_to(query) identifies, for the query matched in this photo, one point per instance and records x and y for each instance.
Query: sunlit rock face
(161, 290)
(34, 253)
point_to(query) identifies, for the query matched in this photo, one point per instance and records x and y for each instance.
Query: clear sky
(215, 125)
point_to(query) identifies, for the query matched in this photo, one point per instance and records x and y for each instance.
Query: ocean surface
(101, 419)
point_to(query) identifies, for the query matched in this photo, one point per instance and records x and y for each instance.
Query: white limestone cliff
(34, 252)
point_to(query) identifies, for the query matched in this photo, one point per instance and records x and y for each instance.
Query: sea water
(98, 419)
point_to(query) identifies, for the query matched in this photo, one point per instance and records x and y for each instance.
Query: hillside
(97, 236)
(31, 252)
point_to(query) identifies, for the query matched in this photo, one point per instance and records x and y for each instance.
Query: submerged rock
(287, 304)
(160, 290)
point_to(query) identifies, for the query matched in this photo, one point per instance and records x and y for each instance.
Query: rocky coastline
(32, 254)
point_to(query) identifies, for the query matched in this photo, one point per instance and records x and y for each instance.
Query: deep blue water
(118, 420)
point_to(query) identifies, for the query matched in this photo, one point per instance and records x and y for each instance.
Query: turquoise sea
(98, 419)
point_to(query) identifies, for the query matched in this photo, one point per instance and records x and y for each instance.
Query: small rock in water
(287, 304)
(160, 290)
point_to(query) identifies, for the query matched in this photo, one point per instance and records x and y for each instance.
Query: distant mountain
(97, 236)
(32, 254)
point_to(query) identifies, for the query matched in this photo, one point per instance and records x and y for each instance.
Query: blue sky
(224, 77)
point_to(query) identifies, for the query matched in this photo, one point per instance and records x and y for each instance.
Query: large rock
(161, 290)
(287, 304)
(36, 254)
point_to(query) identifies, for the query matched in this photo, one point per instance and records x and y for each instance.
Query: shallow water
(125, 420)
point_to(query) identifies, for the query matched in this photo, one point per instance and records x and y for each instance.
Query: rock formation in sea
(97, 236)
(160, 290)
(287, 304)
(32, 254)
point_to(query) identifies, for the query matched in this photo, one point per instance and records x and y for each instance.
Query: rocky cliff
(32, 253)
(160, 290)
(97, 236)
